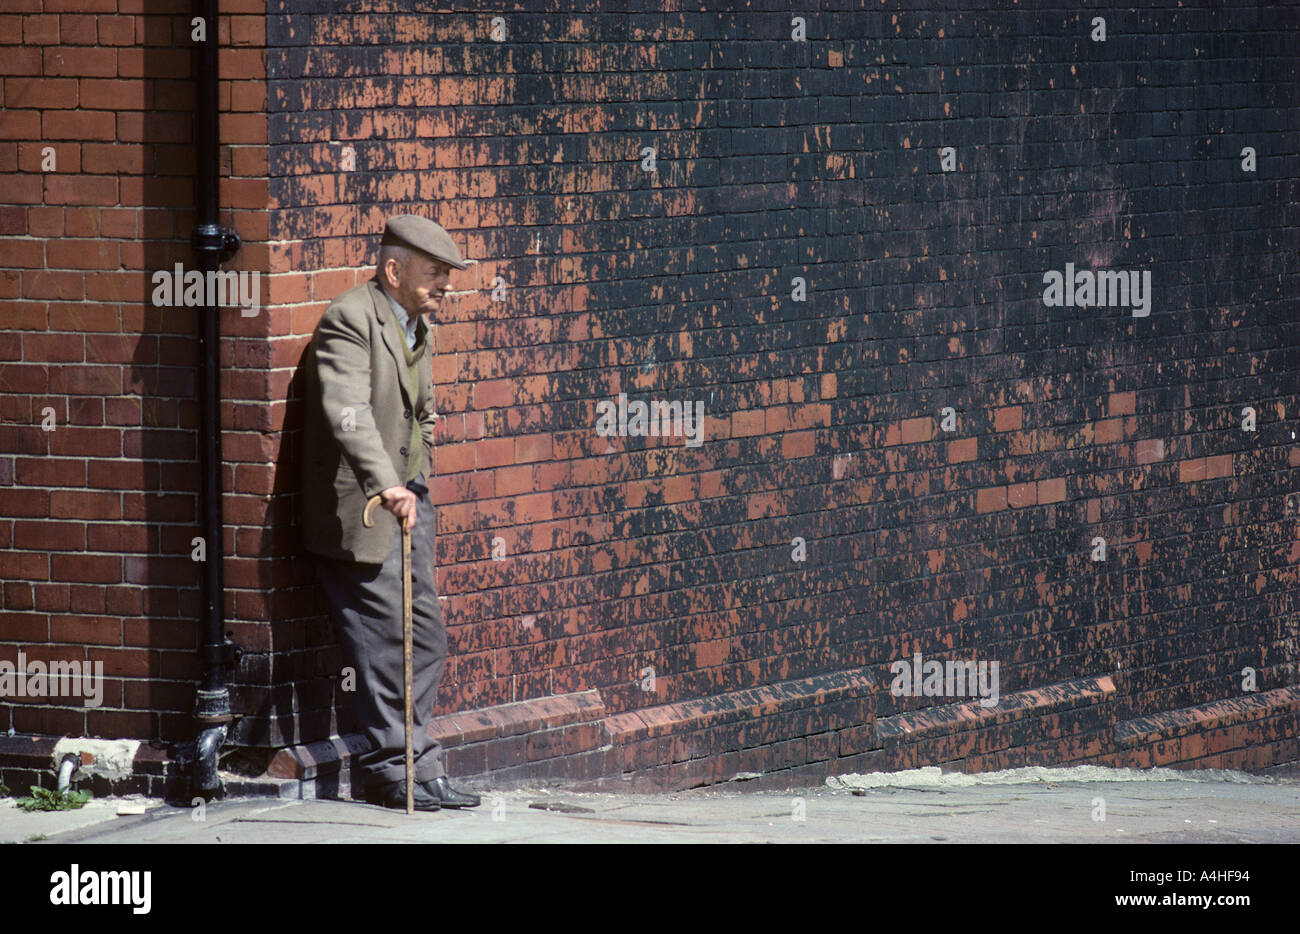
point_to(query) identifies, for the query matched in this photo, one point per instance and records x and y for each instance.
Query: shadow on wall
(161, 450)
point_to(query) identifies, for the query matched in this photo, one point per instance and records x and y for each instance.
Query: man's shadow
(306, 701)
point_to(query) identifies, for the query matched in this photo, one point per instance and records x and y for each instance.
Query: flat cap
(424, 235)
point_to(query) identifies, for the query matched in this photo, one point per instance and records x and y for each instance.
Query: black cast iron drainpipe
(212, 245)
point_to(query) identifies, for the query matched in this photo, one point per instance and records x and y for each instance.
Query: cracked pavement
(1038, 811)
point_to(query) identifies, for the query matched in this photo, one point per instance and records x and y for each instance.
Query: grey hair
(395, 251)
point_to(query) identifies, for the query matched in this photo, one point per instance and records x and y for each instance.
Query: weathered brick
(626, 553)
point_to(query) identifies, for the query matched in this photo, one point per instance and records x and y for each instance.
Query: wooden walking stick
(368, 520)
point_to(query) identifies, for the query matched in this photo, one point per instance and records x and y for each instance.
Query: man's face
(420, 284)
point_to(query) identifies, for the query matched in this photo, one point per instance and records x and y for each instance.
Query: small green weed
(42, 799)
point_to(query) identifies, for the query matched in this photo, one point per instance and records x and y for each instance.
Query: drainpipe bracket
(209, 239)
(226, 654)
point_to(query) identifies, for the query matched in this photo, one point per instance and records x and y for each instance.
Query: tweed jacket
(357, 424)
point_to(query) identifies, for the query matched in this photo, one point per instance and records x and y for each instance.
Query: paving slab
(18, 826)
(1040, 806)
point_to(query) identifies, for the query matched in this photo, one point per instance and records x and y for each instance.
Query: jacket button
(407, 413)
(403, 449)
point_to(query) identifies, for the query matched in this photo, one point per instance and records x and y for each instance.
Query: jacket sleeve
(343, 368)
(428, 415)
(427, 419)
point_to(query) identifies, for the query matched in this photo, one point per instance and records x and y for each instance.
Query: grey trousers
(366, 606)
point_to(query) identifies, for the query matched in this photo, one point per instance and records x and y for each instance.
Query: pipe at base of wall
(212, 245)
(204, 779)
(66, 770)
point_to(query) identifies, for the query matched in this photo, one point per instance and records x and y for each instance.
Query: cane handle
(368, 517)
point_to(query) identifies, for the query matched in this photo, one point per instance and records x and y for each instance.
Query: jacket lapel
(394, 339)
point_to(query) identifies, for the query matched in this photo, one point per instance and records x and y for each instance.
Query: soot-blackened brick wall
(837, 245)
(822, 160)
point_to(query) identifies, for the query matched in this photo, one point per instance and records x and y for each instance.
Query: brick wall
(775, 159)
(99, 501)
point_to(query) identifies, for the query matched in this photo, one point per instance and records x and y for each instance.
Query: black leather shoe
(440, 789)
(393, 795)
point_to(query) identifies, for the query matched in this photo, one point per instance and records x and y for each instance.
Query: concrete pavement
(1036, 806)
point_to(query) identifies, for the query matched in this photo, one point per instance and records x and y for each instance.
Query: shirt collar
(409, 323)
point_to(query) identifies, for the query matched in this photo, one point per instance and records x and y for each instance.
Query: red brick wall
(99, 513)
(823, 418)
(775, 160)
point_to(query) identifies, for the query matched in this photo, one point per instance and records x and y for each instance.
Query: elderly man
(369, 430)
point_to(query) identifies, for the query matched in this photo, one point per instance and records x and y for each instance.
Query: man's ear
(391, 272)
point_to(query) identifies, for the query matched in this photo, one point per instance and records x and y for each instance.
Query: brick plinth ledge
(783, 735)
